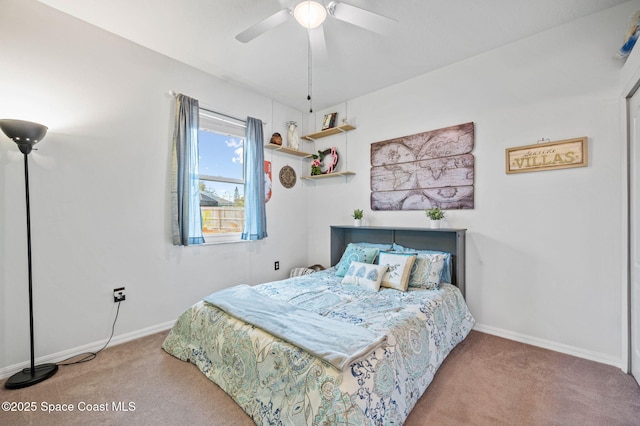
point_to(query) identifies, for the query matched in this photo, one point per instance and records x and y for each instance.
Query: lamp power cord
(88, 356)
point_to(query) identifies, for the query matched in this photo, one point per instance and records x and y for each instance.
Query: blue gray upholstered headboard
(444, 239)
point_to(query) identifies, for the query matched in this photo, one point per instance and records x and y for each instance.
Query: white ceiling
(430, 34)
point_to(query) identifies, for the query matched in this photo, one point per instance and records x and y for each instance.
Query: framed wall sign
(547, 156)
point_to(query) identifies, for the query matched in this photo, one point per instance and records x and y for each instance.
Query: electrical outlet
(276, 265)
(119, 295)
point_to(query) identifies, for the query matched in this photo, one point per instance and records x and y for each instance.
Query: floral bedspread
(277, 383)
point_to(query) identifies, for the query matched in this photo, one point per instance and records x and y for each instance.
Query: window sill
(224, 239)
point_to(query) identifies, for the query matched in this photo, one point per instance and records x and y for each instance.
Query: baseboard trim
(123, 338)
(554, 346)
(91, 347)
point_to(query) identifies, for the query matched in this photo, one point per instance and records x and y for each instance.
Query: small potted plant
(435, 214)
(357, 217)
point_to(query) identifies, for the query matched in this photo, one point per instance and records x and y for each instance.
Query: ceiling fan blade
(263, 26)
(318, 43)
(360, 17)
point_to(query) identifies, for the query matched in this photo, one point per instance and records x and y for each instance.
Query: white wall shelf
(332, 131)
(289, 151)
(327, 175)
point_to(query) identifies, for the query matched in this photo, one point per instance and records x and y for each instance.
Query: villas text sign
(547, 156)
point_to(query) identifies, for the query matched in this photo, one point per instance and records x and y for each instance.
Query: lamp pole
(26, 193)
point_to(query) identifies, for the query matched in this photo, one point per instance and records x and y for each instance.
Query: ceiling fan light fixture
(310, 14)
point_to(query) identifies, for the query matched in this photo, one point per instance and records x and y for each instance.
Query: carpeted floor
(486, 380)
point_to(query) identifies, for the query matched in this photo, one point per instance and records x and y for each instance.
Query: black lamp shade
(24, 133)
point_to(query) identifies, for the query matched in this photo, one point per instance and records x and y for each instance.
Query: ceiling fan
(311, 15)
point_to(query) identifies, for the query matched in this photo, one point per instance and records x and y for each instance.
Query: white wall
(545, 249)
(99, 187)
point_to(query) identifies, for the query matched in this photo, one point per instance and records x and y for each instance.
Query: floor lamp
(26, 134)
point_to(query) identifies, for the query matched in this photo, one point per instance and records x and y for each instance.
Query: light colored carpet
(486, 380)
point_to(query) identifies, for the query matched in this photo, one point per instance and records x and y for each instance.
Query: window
(221, 169)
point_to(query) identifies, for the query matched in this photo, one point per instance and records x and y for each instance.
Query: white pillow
(399, 269)
(365, 274)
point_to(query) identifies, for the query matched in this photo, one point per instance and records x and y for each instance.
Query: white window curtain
(185, 191)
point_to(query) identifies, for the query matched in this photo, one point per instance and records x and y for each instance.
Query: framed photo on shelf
(329, 121)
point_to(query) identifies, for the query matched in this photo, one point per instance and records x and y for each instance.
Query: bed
(323, 349)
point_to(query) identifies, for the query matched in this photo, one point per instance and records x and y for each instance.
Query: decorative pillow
(365, 274)
(446, 271)
(355, 253)
(399, 269)
(427, 271)
(380, 247)
(375, 245)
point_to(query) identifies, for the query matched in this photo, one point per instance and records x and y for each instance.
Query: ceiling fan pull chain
(309, 72)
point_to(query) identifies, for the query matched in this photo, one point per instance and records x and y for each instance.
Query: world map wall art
(425, 170)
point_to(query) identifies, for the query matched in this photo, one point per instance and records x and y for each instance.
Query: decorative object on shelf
(563, 154)
(357, 217)
(418, 171)
(331, 164)
(293, 140)
(329, 121)
(319, 162)
(267, 181)
(287, 177)
(276, 139)
(316, 164)
(316, 167)
(633, 31)
(26, 134)
(435, 215)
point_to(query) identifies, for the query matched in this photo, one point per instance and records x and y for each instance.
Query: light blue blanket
(336, 342)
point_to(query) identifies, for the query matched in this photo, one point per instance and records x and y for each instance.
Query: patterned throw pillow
(380, 247)
(448, 266)
(399, 269)
(427, 271)
(355, 253)
(365, 274)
